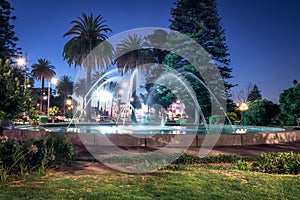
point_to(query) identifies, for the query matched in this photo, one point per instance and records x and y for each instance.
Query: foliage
(43, 70)
(65, 86)
(8, 48)
(69, 115)
(233, 117)
(254, 94)
(130, 54)
(65, 89)
(243, 165)
(279, 163)
(192, 159)
(88, 32)
(53, 110)
(290, 104)
(200, 21)
(260, 113)
(19, 157)
(14, 98)
(158, 94)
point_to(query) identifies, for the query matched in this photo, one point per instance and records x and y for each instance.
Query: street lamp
(53, 81)
(22, 63)
(243, 107)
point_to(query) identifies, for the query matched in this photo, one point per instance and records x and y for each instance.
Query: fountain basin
(110, 128)
(92, 137)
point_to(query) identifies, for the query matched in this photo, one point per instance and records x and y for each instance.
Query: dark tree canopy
(261, 113)
(199, 20)
(8, 48)
(254, 94)
(290, 103)
(14, 99)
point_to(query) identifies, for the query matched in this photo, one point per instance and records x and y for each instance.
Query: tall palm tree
(79, 89)
(131, 54)
(41, 71)
(88, 32)
(65, 87)
(96, 76)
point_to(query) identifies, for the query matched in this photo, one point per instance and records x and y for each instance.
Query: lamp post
(22, 63)
(53, 81)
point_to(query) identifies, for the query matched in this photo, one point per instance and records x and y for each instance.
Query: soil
(85, 166)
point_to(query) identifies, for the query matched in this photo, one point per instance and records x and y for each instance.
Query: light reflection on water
(148, 129)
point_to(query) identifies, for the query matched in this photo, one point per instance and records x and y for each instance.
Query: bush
(279, 163)
(24, 157)
(192, 159)
(243, 165)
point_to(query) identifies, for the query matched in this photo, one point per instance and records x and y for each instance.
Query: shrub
(279, 163)
(192, 159)
(243, 165)
(23, 157)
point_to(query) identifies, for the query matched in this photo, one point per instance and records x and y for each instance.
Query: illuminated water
(147, 129)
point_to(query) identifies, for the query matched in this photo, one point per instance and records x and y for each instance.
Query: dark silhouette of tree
(254, 94)
(199, 20)
(41, 71)
(88, 32)
(289, 101)
(8, 47)
(65, 88)
(14, 98)
(132, 54)
(261, 113)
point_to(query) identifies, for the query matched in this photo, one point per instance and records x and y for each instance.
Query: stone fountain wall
(159, 140)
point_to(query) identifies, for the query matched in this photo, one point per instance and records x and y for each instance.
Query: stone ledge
(149, 140)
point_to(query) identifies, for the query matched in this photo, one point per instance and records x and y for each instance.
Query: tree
(289, 101)
(79, 89)
(65, 87)
(199, 20)
(158, 95)
(53, 111)
(14, 98)
(88, 33)
(8, 48)
(261, 113)
(41, 71)
(130, 54)
(254, 94)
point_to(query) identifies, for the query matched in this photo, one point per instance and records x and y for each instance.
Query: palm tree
(41, 71)
(88, 33)
(79, 89)
(130, 54)
(96, 76)
(65, 87)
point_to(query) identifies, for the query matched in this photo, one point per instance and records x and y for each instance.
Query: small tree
(14, 98)
(290, 104)
(261, 113)
(8, 48)
(254, 94)
(53, 111)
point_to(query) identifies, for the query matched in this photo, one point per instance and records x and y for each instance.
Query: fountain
(109, 140)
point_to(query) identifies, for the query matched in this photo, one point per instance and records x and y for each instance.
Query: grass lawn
(190, 182)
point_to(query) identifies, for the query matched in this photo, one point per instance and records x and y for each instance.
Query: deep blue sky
(263, 35)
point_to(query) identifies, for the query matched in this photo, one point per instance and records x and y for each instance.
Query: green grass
(191, 182)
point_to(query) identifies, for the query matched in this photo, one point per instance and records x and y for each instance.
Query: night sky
(263, 36)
